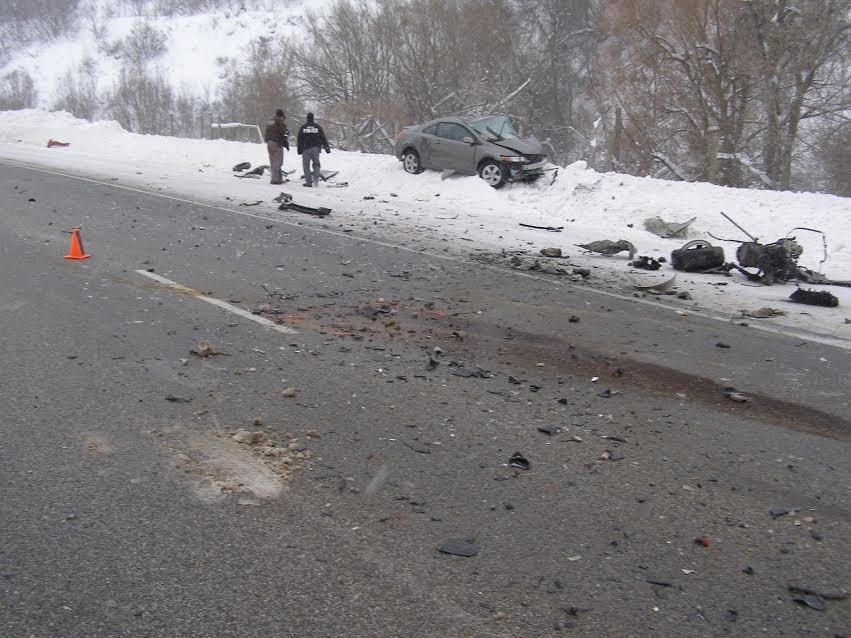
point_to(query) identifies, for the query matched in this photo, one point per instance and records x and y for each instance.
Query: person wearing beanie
(311, 140)
(277, 139)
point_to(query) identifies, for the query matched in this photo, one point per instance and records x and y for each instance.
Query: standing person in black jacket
(277, 139)
(311, 140)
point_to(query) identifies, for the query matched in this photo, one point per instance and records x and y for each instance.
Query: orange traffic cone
(76, 250)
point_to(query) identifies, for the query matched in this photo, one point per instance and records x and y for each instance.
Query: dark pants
(309, 155)
(276, 161)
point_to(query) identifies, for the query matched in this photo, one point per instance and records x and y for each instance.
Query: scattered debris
(283, 197)
(663, 287)
(722, 345)
(658, 226)
(684, 295)
(553, 229)
(814, 298)
(582, 272)
(474, 372)
(203, 349)
(460, 547)
(609, 247)
(550, 430)
(242, 166)
(551, 252)
(254, 203)
(51, 143)
(573, 319)
(659, 581)
(173, 399)
(734, 395)
(777, 261)
(247, 437)
(289, 392)
(813, 598)
(321, 211)
(703, 541)
(519, 461)
(645, 263)
(607, 393)
(777, 512)
(254, 173)
(697, 256)
(763, 313)
(417, 447)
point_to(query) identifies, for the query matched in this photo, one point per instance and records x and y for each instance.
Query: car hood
(525, 145)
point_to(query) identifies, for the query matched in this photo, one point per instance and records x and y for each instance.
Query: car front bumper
(525, 171)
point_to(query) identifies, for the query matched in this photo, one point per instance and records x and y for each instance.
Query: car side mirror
(469, 140)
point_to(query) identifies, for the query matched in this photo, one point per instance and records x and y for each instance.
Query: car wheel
(411, 162)
(493, 173)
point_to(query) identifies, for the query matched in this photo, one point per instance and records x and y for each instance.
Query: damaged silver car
(489, 146)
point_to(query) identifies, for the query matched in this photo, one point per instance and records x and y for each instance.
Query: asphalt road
(128, 509)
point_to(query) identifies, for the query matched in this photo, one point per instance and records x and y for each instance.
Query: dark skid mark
(426, 326)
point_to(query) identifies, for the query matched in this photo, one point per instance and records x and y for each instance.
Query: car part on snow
(658, 226)
(609, 247)
(310, 210)
(646, 263)
(814, 298)
(254, 173)
(777, 261)
(242, 166)
(663, 286)
(283, 197)
(51, 143)
(697, 256)
(552, 229)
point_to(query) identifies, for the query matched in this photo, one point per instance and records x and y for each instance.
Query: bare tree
(17, 91)
(258, 84)
(77, 93)
(800, 53)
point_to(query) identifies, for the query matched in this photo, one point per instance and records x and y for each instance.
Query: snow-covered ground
(463, 216)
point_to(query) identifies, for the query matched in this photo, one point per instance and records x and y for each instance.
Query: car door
(426, 145)
(451, 151)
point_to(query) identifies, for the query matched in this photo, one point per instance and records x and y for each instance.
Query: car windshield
(496, 127)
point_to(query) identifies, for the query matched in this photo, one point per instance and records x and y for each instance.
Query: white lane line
(218, 302)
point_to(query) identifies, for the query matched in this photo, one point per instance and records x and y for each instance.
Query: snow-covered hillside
(462, 216)
(198, 46)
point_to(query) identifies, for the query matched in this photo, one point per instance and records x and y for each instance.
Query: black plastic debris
(460, 547)
(551, 252)
(777, 512)
(550, 430)
(582, 272)
(417, 447)
(722, 345)
(474, 372)
(573, 319)
(432, 363)
(173, 399)
(814, 298)
(810, 600)
(607, 393)
(519, 461)
(242, 166)
(321, 211)
(814, 598)
(659, 581)
(646, 263)
(515, 380)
